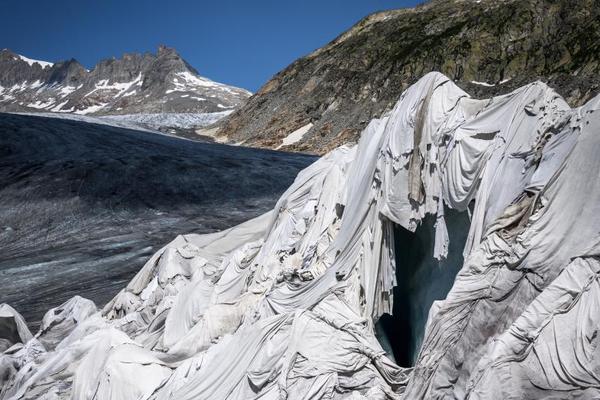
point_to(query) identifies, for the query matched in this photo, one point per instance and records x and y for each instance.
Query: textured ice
(284, 305)
(171, 120)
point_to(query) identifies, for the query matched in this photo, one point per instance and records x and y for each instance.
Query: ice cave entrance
(421, 280)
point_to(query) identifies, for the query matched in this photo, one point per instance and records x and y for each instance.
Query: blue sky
(242, 43)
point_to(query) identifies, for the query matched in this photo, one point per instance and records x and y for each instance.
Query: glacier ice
(284, 306)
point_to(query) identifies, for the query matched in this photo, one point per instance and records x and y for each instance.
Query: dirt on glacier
(85, 205)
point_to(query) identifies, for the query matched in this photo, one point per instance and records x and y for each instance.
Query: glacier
(285, 306)
(156, 123)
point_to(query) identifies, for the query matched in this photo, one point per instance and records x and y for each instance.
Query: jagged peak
(134, 82)
(30, 61)
(166, 50)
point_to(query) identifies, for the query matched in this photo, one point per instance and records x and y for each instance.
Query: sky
(242, 43)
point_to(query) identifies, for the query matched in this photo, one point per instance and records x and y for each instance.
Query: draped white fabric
(283, 306)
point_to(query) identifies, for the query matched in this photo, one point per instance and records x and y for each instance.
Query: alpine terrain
(286, 305)
(156, 90)
(444, 246)
(487, 47)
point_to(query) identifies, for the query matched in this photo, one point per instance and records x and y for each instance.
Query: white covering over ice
(283, 306)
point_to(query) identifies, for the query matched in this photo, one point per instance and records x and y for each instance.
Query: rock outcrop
(487, 47)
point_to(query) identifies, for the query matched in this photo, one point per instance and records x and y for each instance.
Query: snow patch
(19, 88)
(120, 87)
(91, 109)
(67, 90)
(42, 105)
(483, 84)
(36, 84)
(58, 107)
(7, 97)
(486, 84)
(43, 64)
(186, 81)
(194, 80)
(295, 136)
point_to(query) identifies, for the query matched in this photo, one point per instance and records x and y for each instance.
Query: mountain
(85, 204)
(134, 84)
(488, 47)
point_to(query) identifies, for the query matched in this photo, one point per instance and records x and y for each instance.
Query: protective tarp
(284, 305)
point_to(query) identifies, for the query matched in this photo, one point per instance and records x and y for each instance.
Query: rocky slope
(487, 46)
(133, 84)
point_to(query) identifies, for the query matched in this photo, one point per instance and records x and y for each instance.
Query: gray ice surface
(83, 206)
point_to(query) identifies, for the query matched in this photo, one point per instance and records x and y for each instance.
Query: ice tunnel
(421, 280)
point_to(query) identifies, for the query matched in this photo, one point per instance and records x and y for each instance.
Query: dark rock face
(69, 73)
(488, 47)
(84, 205)
(135, 83)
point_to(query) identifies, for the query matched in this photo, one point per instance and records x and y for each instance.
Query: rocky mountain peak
(135, 83)
(164, 50)
(69, 72)
(169, 59)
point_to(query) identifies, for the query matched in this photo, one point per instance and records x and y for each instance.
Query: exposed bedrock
(488, 47)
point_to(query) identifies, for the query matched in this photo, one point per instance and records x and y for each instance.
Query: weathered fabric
(283, 306)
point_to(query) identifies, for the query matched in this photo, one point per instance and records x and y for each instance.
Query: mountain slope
(488, 47)
(133, 84)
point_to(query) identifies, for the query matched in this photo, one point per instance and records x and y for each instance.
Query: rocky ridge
(136, 83)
